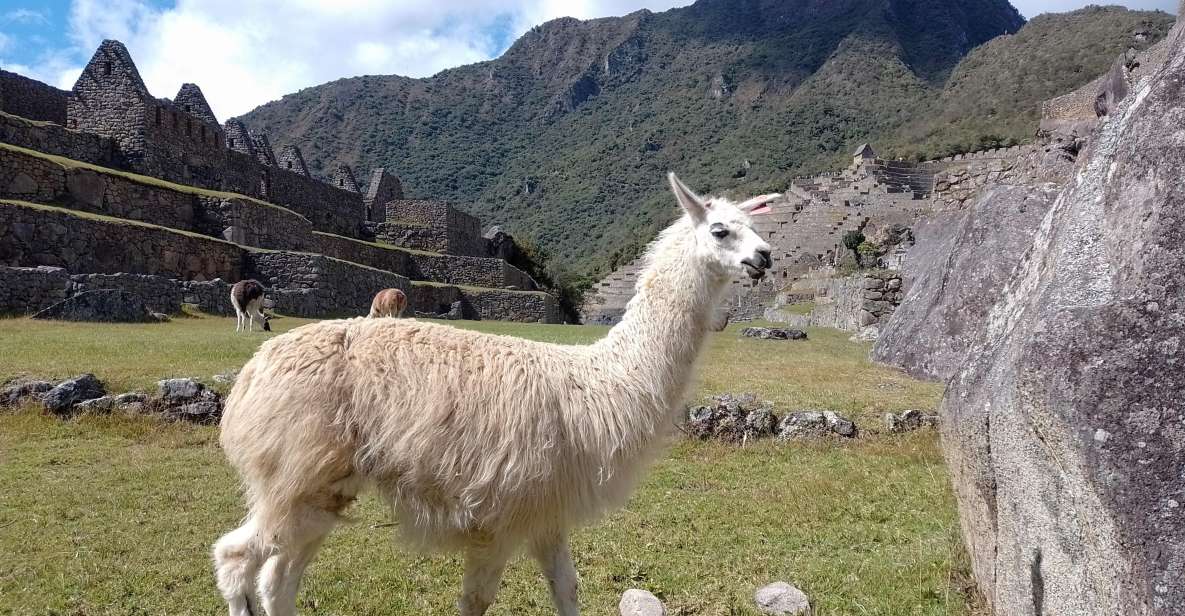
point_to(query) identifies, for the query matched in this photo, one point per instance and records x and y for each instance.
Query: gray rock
(781, 599)
(636, 602)
(206, 410)
(100, 305)
(1063, 430)
(226, 378)
(839, 424)
(732, 418)
(97, 405)
(908, 421)
(814, 424)
(177, 390)
(929, 333)
(17, 391)
(773, 333)
(63, 397)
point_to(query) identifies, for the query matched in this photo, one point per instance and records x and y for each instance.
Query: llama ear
(693, 204)
(758, 205)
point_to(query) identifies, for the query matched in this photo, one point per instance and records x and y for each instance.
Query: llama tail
(238, 555)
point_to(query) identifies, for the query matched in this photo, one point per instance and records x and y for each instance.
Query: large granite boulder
(957, 268)
(1065, 429)
(101, 305)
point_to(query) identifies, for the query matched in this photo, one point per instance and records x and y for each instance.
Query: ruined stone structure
(807, 224)
(229, 208)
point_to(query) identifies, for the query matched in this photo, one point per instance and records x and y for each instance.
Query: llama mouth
(754, 272)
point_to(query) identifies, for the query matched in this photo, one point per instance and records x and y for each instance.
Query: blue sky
(244, 53)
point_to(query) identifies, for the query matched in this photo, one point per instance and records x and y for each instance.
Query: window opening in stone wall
(341, 182)
(107, 68)
(187, 109)
(231, 143)
(288, 164)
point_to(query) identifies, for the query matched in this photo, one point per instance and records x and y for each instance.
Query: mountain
(994, 96)
(566, 137)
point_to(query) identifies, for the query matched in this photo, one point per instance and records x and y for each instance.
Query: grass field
(115, 515)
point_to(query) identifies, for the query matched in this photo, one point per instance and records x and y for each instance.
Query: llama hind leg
(555, 560)
(483, 576)
(279, 578)
(237, 558)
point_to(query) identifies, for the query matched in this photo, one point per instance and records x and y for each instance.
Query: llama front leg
(483, 576)
(555, 559)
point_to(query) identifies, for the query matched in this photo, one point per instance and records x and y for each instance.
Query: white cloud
(244, 53)
(26, 16)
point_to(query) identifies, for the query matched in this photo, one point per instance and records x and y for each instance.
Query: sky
(244, 53)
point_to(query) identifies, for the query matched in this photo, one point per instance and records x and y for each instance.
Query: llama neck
(655, 345)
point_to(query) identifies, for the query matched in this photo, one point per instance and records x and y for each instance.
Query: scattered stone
(781, 599)
(178, 390)
(66, 394)
(814, 424)
(206, 410)
(99, 305)
(908, 421)
(226, 378)
(773, 333)
(730, 418)
(636, 602)
(16, 391)
(96, 405)
(868, 333)
(131, 401)
(160, 317)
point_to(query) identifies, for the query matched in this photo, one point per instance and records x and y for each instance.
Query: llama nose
(766, 261)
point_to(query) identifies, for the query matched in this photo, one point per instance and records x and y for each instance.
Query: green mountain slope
(566, 137)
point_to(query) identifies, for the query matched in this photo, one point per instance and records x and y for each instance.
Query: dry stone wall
(303, 284)
(432, 226)
(60, 141)
(32, 99)
(28, 177)
(488, 304)
(159, 294)
(41, 235)
(26, 290)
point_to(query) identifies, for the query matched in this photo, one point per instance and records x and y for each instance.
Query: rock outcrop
(958, 267)
(1065, 428)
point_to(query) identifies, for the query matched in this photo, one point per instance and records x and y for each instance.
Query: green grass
(115, 515)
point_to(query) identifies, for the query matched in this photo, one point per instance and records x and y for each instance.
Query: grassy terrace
(115, 515)
(69, 163)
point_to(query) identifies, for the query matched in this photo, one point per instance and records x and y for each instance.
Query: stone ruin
(162, 202)
(806, 230)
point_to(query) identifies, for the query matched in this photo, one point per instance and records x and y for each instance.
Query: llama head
(724, 235)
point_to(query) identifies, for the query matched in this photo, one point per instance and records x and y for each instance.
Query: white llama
(481, 443)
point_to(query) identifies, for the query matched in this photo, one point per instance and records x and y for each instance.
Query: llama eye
(719, 231)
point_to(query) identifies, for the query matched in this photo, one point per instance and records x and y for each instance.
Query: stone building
(310, 241)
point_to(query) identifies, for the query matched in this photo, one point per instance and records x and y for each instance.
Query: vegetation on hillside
(566, 138)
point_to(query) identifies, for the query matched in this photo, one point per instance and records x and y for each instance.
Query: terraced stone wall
(32, 99)
(32, 236)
